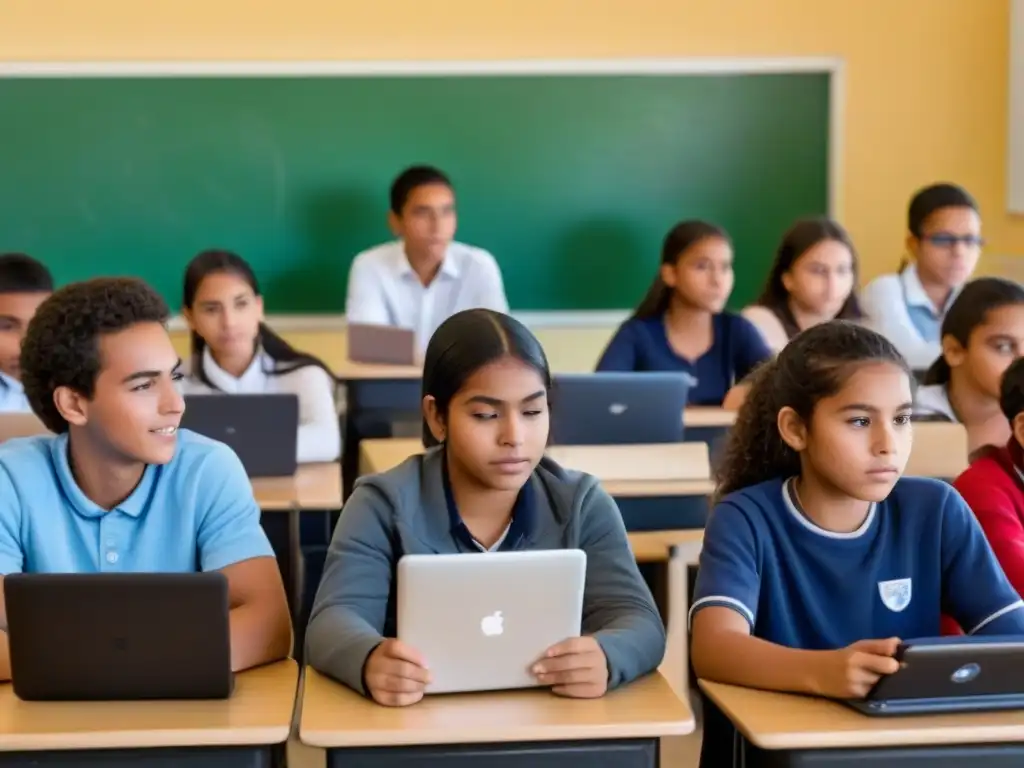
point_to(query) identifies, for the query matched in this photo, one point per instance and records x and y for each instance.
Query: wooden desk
(700, 416)
(519, 728)
(939, 450)
(786, 730)
(313, 486)
(249, 729)
(20, 425)
(683, 466)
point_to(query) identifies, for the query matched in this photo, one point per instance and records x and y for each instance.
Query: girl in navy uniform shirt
(681, 324)
(484, 486)
(818, 557)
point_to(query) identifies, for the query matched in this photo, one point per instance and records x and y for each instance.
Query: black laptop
(620, 408)
(115, 637)
(962, 675)
(262, 429)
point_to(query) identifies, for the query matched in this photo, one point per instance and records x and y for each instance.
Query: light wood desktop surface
(940, 449)
(674, 469)
(335, 716)
(706, 416)
(784, 721)
(313, 486)
(259, 712)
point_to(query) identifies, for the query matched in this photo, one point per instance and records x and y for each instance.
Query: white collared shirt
(383, 288)
(12, 396)
(319, 437)
(897, 307)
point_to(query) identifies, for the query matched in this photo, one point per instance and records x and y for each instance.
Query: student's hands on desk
(395, 674)
(576, 668)
(851, 672)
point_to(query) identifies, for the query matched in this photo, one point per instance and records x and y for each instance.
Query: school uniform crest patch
(895, 594)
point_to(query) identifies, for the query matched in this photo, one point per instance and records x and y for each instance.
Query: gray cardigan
(404, 511)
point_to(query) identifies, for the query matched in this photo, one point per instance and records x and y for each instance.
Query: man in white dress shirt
(424, 277)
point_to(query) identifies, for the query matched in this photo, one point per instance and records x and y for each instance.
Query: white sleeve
(319, 431)
(491, 288)
(886, 313)
(365, 300)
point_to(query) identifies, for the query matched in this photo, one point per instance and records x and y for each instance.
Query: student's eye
(142, 387)
(902, 420)
(485, 416)
(532, 414)
(1006, 348)
(241, 303)
(7, 325)
(860, 421)
(177, 376)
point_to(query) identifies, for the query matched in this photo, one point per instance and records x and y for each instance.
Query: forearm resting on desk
(258, 637)
(729, 655)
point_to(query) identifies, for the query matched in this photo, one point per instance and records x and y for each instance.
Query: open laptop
(371, 343)
(262, 429)
(119, 636)
(944, 676)
(482, 620)
(620, 408)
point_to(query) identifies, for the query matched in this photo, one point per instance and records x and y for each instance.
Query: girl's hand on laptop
(575, 667)
(850, 672)
(395, 674)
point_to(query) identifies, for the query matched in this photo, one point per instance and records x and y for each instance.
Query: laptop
(119, 636)
(262, 429)
(482, 620)
(943, 676)
(371, 343)
(619, 408)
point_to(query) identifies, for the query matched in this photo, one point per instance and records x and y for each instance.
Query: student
(681, 326)
(24, 283)
(982, 333)
(813, 280)
(818, 557)
(944, 241)
(424, 276)
(118, 488)
(483, 486)
(233, 351)
(993, 486)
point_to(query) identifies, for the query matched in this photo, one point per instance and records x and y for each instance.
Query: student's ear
(73, 406)
(258, 301)
(953, 351)
(792, 429)
(395, 224)
(1018, 428)
(668, 275)
(434, 419)
(787, 281)
(187, 314)
(913, 243)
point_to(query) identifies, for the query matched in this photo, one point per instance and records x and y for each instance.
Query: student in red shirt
(993, 486)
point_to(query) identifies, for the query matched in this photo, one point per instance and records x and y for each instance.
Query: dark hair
(20, 273)
(814, 365)
(210, 262)
(678, 241)
(798, 240)
(412, 178)
(927, 201)
(969, 310)
(61, 345)
(1011, 390)
(465, 343)
(930, 199)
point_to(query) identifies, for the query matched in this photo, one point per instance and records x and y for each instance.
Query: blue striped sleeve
(729, 575)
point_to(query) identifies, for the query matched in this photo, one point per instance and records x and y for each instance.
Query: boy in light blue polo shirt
(24, 284)
(117, 488)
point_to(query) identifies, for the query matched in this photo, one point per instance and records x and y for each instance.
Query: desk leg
(194, 757)
(955, 756)
(632, 753)
(676, 664)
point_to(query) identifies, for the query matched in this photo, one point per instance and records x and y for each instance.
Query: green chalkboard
(571, 181)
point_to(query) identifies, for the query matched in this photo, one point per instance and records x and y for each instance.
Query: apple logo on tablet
(492, 625)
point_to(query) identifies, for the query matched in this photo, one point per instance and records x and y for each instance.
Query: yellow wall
(926, 86)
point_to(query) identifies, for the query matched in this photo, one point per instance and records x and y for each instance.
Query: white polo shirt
(383, 288)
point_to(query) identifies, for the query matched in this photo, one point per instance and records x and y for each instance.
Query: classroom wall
(926, 81)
